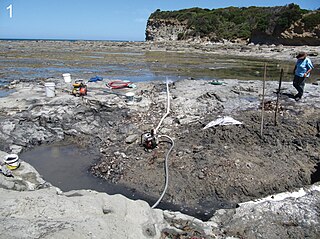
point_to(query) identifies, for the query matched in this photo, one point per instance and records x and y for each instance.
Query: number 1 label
(10, 10)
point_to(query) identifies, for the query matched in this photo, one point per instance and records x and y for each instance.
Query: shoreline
(272, 51)
(146, 61)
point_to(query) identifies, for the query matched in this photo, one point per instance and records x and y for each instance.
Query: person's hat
(301, 55)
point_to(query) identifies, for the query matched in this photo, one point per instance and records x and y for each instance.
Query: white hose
(166, 171)
(172, 145)
(168, 108)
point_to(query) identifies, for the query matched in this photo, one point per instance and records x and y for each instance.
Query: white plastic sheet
(227, 120)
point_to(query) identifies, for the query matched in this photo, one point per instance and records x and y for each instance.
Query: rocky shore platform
(148, 61)
(229, 167)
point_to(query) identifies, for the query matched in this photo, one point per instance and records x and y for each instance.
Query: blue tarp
(96, 78)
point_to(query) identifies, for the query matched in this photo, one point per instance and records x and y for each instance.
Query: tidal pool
(4, 93)
(67, 165)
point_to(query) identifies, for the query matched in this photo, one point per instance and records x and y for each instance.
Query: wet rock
(168, 121)
(212, 95)
(24, 178)
(111, 123)
(273, 217)
(103, 169)
(117, 153)
(127, 129)
(113, 137)
(131, 139)
(66, 211)
(7, 127)
(185, 121)
(71, 132)
(15, 149)
(313, 53)
(245, 89)
(160, 160)
(180, 154)
(165, 131)
(106, 210)
(188, 151)
(149, 230)
(197, 149)
(220, 98)
(201, 175)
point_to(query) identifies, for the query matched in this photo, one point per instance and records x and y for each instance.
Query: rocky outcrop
(159, 30)
(297, 212)
(49, 213)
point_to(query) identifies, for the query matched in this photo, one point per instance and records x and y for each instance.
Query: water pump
(149, 140)
(79, 88)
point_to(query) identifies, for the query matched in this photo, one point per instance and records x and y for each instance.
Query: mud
(226, 164)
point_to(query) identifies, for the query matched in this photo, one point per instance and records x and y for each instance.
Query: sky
(101, 19)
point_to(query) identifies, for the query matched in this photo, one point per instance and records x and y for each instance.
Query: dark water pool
(66, 166)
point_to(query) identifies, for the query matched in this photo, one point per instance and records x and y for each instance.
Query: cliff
(287, 25)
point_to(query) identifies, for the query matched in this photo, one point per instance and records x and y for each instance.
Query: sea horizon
(69, 40)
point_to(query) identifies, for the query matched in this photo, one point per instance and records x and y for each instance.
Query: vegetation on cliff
(311, 20)
(232, 22)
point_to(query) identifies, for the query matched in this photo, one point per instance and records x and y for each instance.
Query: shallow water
(4, 93)
(66, 166)
(39, 61)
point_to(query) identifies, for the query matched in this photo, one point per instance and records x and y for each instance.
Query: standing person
(302, 71)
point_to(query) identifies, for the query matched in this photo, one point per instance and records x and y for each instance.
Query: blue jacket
(302, 66)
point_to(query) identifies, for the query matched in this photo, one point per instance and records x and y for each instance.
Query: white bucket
(130, 96)
(50, 89)
(12, 161)
(67, 77)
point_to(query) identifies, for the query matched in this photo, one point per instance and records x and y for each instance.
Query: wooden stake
(262, 104)
(278, 95)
